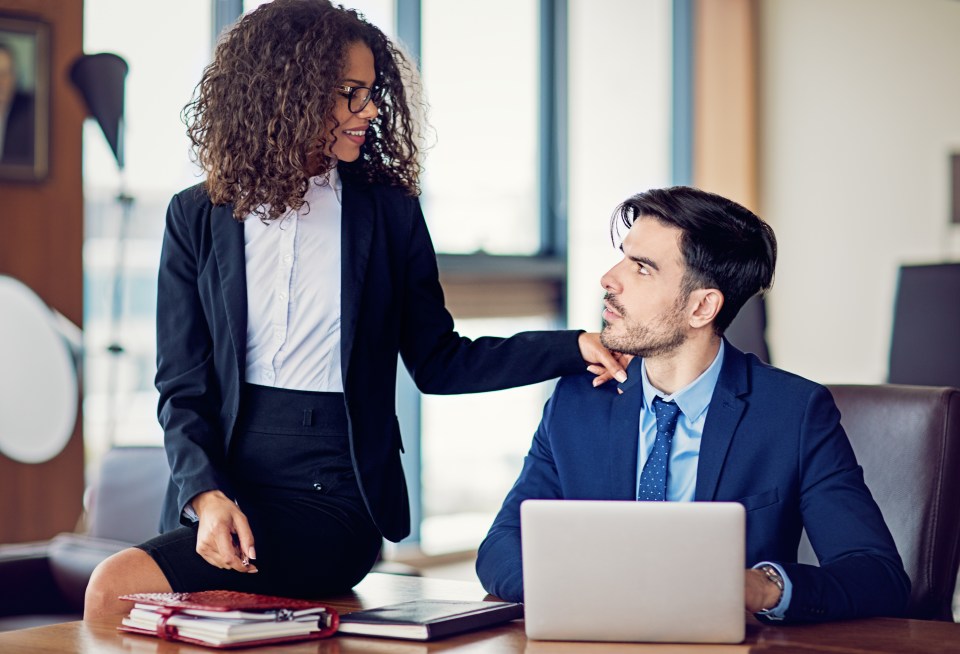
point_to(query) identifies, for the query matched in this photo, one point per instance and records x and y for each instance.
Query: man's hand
(759, 592)
(224, 538)
(606, 365)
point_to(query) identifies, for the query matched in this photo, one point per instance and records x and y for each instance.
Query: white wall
(618, 49)
(860, 107)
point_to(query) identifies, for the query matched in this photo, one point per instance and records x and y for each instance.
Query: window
(119, 398)
(379, 12)
(473, 448)
(481, 73)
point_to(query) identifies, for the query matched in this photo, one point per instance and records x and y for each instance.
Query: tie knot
(667, 412)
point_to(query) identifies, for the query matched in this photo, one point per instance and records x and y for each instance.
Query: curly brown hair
(264, 107)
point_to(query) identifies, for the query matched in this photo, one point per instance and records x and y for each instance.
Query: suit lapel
(231, 263)
(624, 433)
(726, 409)
(357, 236)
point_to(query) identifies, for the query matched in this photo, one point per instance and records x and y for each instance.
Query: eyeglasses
(358, 97)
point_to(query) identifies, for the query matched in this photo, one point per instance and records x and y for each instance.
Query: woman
(289, 282)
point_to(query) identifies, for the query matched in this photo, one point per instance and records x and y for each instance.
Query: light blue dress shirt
(694, 402)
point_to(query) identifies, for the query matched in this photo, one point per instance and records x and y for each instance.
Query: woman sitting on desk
(289, 282)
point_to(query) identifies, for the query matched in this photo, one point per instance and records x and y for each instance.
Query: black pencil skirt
(290, 467)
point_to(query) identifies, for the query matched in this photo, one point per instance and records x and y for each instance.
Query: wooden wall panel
(725, 99)
(41, 243)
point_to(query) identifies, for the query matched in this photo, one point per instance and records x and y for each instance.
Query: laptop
(633, 571)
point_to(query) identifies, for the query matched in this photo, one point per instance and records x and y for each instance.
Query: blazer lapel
(726, 409)
(624, 433)
(231, 263)
(357, 217)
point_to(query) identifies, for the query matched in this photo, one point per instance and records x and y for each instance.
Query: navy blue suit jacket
(772, 441)
(391, 302)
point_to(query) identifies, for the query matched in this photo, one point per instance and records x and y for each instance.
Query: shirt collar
(321, 185)
(694, 398)
(330, 179)
(317, 185)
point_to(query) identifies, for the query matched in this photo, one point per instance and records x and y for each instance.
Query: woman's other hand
(605, 364)
(224, 538)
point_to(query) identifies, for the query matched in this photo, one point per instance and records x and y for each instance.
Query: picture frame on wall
(24, 98)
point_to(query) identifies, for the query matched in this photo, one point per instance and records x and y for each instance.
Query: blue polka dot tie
(653, 479)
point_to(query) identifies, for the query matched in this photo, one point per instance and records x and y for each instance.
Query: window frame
(513, 280)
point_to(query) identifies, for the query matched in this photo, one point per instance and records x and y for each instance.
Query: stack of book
(226, 619)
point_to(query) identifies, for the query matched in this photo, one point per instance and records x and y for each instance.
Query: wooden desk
(857, 637)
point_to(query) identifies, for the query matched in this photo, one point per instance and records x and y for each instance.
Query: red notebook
(225, 619)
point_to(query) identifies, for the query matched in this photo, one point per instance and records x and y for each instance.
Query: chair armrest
(27, 581)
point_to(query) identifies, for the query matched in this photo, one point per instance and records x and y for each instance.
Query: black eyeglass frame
(350, 92)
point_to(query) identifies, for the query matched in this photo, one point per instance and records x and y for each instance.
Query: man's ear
(706, 304)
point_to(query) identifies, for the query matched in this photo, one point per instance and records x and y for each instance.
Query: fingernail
(252, 553)
(621, 376)
(595, 382)
(252, 569)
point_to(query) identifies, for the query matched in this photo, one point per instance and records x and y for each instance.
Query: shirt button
(288, 258)
(283, 297)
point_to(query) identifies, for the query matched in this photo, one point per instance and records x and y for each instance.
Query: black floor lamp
(100, 78)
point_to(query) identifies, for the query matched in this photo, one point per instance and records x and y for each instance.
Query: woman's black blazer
(391, 302)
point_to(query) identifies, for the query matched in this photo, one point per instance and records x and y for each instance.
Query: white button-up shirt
(293, 293)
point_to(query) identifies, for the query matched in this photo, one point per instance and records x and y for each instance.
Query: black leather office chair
(925, 344)
(907, 439)
(748, 331)
(44, 582)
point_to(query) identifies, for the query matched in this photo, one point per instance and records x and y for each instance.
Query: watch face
(773, 575)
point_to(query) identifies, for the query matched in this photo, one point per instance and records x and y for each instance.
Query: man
(16, 114)
(700, 420)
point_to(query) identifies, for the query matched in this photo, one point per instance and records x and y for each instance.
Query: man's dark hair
(724, 245)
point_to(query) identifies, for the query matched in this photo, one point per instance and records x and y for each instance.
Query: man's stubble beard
(666, 333)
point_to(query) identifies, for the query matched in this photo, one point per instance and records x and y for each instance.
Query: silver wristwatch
(773, 576)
